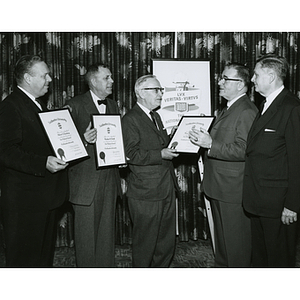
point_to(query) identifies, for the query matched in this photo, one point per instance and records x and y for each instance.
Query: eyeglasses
(225, 78)
(155, 88)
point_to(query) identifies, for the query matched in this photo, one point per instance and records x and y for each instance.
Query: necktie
(39, 102)
(261, 107)
(102, 102)
(223, 111)
(155, 118)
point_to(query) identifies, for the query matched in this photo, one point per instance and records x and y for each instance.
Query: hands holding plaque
(63, 135)
(109, 145)
(181, 138)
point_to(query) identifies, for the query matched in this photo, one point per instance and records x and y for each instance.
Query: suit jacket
(224, 165)
(26, 184)
(272, 168)
(151, 177)
(83, 175)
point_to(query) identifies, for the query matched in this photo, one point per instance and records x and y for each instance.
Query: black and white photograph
(149, 153)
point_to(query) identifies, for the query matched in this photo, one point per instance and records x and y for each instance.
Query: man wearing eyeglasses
(224, 168)
(151, 182)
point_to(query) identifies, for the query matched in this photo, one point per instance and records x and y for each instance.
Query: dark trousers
(29, 238)
(232, 235)
(274, 244)
(154, 231)
(94, 229)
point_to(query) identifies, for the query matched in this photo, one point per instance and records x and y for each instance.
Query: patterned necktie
(155, 118)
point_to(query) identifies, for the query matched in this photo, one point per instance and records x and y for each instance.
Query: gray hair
(140, 81)
(277, 63)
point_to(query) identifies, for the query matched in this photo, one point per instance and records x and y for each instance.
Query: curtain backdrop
(128, 55)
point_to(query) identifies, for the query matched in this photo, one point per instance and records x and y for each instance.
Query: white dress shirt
(271, 98)
(101, 108)
(145, 109)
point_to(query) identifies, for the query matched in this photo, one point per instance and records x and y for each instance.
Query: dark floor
(191, 254)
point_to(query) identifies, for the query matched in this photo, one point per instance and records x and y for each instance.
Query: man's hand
(90, 135)
(55, 164)
(288, 216)
(168, 154)
(200, 137)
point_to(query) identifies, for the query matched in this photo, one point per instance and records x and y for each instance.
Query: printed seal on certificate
(109, 146)
(63, 135)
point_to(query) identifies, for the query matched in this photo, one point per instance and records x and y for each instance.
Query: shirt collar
(273, 95)
(271, 98)
(27, 93)
(31, 97)
(229, 103)
(145, 109)
(95, 97)
(101, 108)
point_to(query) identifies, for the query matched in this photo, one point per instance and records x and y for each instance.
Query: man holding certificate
(94, 191)
(224, 165)
(152, 181)
(33, 182)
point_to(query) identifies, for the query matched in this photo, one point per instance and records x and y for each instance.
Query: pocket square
(269, 130)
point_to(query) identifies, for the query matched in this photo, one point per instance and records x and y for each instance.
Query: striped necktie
(155, 118)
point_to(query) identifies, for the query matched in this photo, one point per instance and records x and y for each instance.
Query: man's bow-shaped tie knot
(102, 102)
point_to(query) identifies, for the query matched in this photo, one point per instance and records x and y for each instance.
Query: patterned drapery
(128, 55)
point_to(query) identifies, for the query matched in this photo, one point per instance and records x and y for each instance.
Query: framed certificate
(63, 135)
(109, 147)
(180, 140)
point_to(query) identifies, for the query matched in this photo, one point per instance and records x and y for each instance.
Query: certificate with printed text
(109, 147)
(63, 135)
(180, 140)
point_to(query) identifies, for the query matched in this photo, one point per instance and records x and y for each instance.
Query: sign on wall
(187, 90)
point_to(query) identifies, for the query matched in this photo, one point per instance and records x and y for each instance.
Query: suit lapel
(110, 108)
(29, 103)
(230, 110)
(221, 116)
(89, 104)
(148, 122)
(92, 109)
(261, 121)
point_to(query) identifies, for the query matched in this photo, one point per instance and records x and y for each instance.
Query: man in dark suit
(151, 191)
(224, 168)
(93, 192)
(33, 182)
(272, 172)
